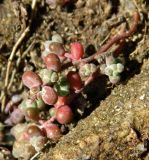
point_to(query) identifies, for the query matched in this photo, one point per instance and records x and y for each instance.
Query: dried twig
(13, 54)
(15, 48)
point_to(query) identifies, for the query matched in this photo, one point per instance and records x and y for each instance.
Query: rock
(117, 129)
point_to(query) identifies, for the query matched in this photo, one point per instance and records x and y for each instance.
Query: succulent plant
(52, 131)
(23, 149)
(31, 79)
(62, 100)
(46, 49)
(55, 85)
(76, 51)
(48, 76)
(64, 114)
(113, 68)
(52, 62)
(52, 112)
(15, 117)
(38, 142)
(75, 81)
(32, 114)
(87, 69)
(62, 87)
(49, 95)
(56, 48)
(114, 79)
(33, 130)
(40, 104)
(27, 103)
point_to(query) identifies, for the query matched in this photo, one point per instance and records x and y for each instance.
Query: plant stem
(114, 39)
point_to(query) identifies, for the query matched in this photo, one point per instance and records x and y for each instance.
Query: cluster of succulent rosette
(47, 104)
(46, 108)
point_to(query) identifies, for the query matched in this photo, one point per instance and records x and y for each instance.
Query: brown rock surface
(117, 129)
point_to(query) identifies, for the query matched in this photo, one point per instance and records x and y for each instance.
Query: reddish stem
(114, 39)
(87, 82)
(44, 124)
